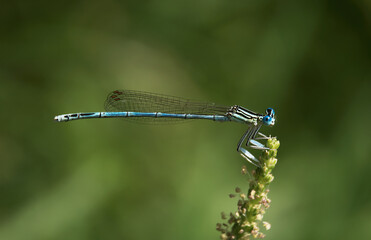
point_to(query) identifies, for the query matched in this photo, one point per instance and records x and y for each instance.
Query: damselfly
(158, 108)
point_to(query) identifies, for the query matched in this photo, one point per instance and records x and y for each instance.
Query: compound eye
(266, 119)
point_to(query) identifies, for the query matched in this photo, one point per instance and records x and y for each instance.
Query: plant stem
(244, 223)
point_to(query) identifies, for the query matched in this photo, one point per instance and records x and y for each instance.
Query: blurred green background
(111, 179)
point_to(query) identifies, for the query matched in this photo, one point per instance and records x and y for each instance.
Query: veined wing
(137, 101)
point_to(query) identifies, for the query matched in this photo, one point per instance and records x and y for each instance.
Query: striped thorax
(241, 114)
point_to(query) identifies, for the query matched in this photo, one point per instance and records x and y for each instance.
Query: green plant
(244, 223)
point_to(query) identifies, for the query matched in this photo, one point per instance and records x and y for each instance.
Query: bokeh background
(112, 179)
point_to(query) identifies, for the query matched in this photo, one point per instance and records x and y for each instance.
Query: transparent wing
(137, 101)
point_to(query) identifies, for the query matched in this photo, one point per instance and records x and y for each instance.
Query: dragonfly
(148, 107)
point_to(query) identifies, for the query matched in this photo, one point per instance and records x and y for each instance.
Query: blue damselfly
(158, 108)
